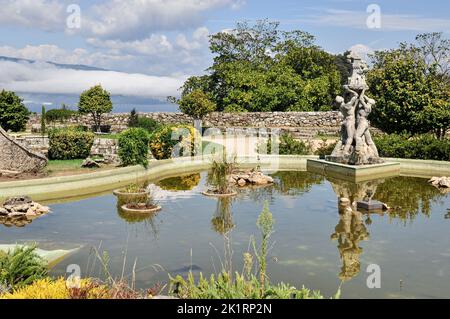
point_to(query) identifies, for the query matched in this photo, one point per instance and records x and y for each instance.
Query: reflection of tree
(295, 182)
(180, 183)
(222, 221)
(349, 232)
(407, 196)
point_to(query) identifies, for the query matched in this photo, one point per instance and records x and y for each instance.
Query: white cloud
(44, 78)
(48, 15)
(135, 19)
(389, 22)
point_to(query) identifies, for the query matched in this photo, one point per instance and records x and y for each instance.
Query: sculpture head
(339, 99)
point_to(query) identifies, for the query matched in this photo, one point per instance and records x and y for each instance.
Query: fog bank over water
(34, 103)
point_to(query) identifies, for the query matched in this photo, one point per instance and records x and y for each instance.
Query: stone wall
(16, 157)
(101, 147)
(300, 124)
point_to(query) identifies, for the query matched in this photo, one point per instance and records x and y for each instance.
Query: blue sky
(167, 40)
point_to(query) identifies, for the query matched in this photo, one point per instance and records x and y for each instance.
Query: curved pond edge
(54, 188)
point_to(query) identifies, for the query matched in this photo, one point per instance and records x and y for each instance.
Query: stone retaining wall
(16, 157)
(301, 124)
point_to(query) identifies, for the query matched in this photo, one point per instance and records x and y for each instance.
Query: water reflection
(349, 232)
(180, 183)
(407, 196)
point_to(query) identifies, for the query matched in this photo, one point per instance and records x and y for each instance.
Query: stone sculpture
(356, 146)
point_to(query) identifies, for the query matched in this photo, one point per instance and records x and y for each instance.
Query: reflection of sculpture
(355, 147)
(349, 232)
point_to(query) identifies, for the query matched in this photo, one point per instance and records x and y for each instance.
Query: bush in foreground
(66, 144)
(21, 267)
(133, 147)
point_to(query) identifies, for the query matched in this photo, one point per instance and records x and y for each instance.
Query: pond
(313, 245)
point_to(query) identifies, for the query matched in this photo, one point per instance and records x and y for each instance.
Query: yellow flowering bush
(57, 289)
(164, 140)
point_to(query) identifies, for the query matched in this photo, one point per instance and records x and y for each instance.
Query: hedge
(70, 143)
(133, 147)
(426, 147)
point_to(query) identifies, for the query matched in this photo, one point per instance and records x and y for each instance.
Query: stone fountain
(355, 156)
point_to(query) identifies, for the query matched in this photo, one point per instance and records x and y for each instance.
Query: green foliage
(196, 104)
(296, 76)
(287, 145)
(69, 143)
(425, 146)
(43, 119)
(290, 146)
(411, 94)
(95, 101)
(164, 140)
(245, 285)
(13, 113)
(218, 176)
(21, 267)
(59, 115)
(148, 124)
(133, 119)
(238, 287)
(133, 147)
(325, 148)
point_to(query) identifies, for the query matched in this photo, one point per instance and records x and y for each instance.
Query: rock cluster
(440, 182)
(20, 211)
(251, 177)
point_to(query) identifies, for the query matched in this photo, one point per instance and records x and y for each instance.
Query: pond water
(313, 245)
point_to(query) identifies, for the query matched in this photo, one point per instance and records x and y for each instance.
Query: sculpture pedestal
(353, 173)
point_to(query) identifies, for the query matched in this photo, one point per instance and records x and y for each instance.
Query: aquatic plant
(219, 174)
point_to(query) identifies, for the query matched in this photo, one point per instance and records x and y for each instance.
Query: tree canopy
(261, 68)
(412, 88)
(13, 113)
(95, 101)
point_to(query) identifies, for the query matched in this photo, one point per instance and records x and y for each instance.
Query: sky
(154, 45)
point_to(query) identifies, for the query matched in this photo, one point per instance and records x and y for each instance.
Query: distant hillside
(58, 65)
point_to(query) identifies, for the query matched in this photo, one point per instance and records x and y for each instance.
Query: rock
(90, 163)
(242, 182)
(344, 201)
(19, 200)
(16, 214)
(440, 182)
(3, 212)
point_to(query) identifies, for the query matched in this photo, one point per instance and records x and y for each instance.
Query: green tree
(14, 114)
(43, 120)
(96, 101)
(196, 104)
(411, 96)
(260, 68)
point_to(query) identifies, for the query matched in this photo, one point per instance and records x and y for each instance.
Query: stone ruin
(356, 146)
(16, 158)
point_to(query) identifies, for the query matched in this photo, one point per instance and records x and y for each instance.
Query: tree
(409, 92)
(95, 101)
(14, 114)
(43, 120)
(196, 104)
(259, 68)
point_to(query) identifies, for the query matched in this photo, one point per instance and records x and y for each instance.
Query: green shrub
(425, 146)
(133, 147)
(164, 140)
(21, 267)
(287, 145)
(325, 149)
(70, 143)
(59, 115)
(13, 113)
(148, 124)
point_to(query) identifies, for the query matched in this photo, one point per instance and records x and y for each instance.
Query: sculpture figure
(356, 146)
